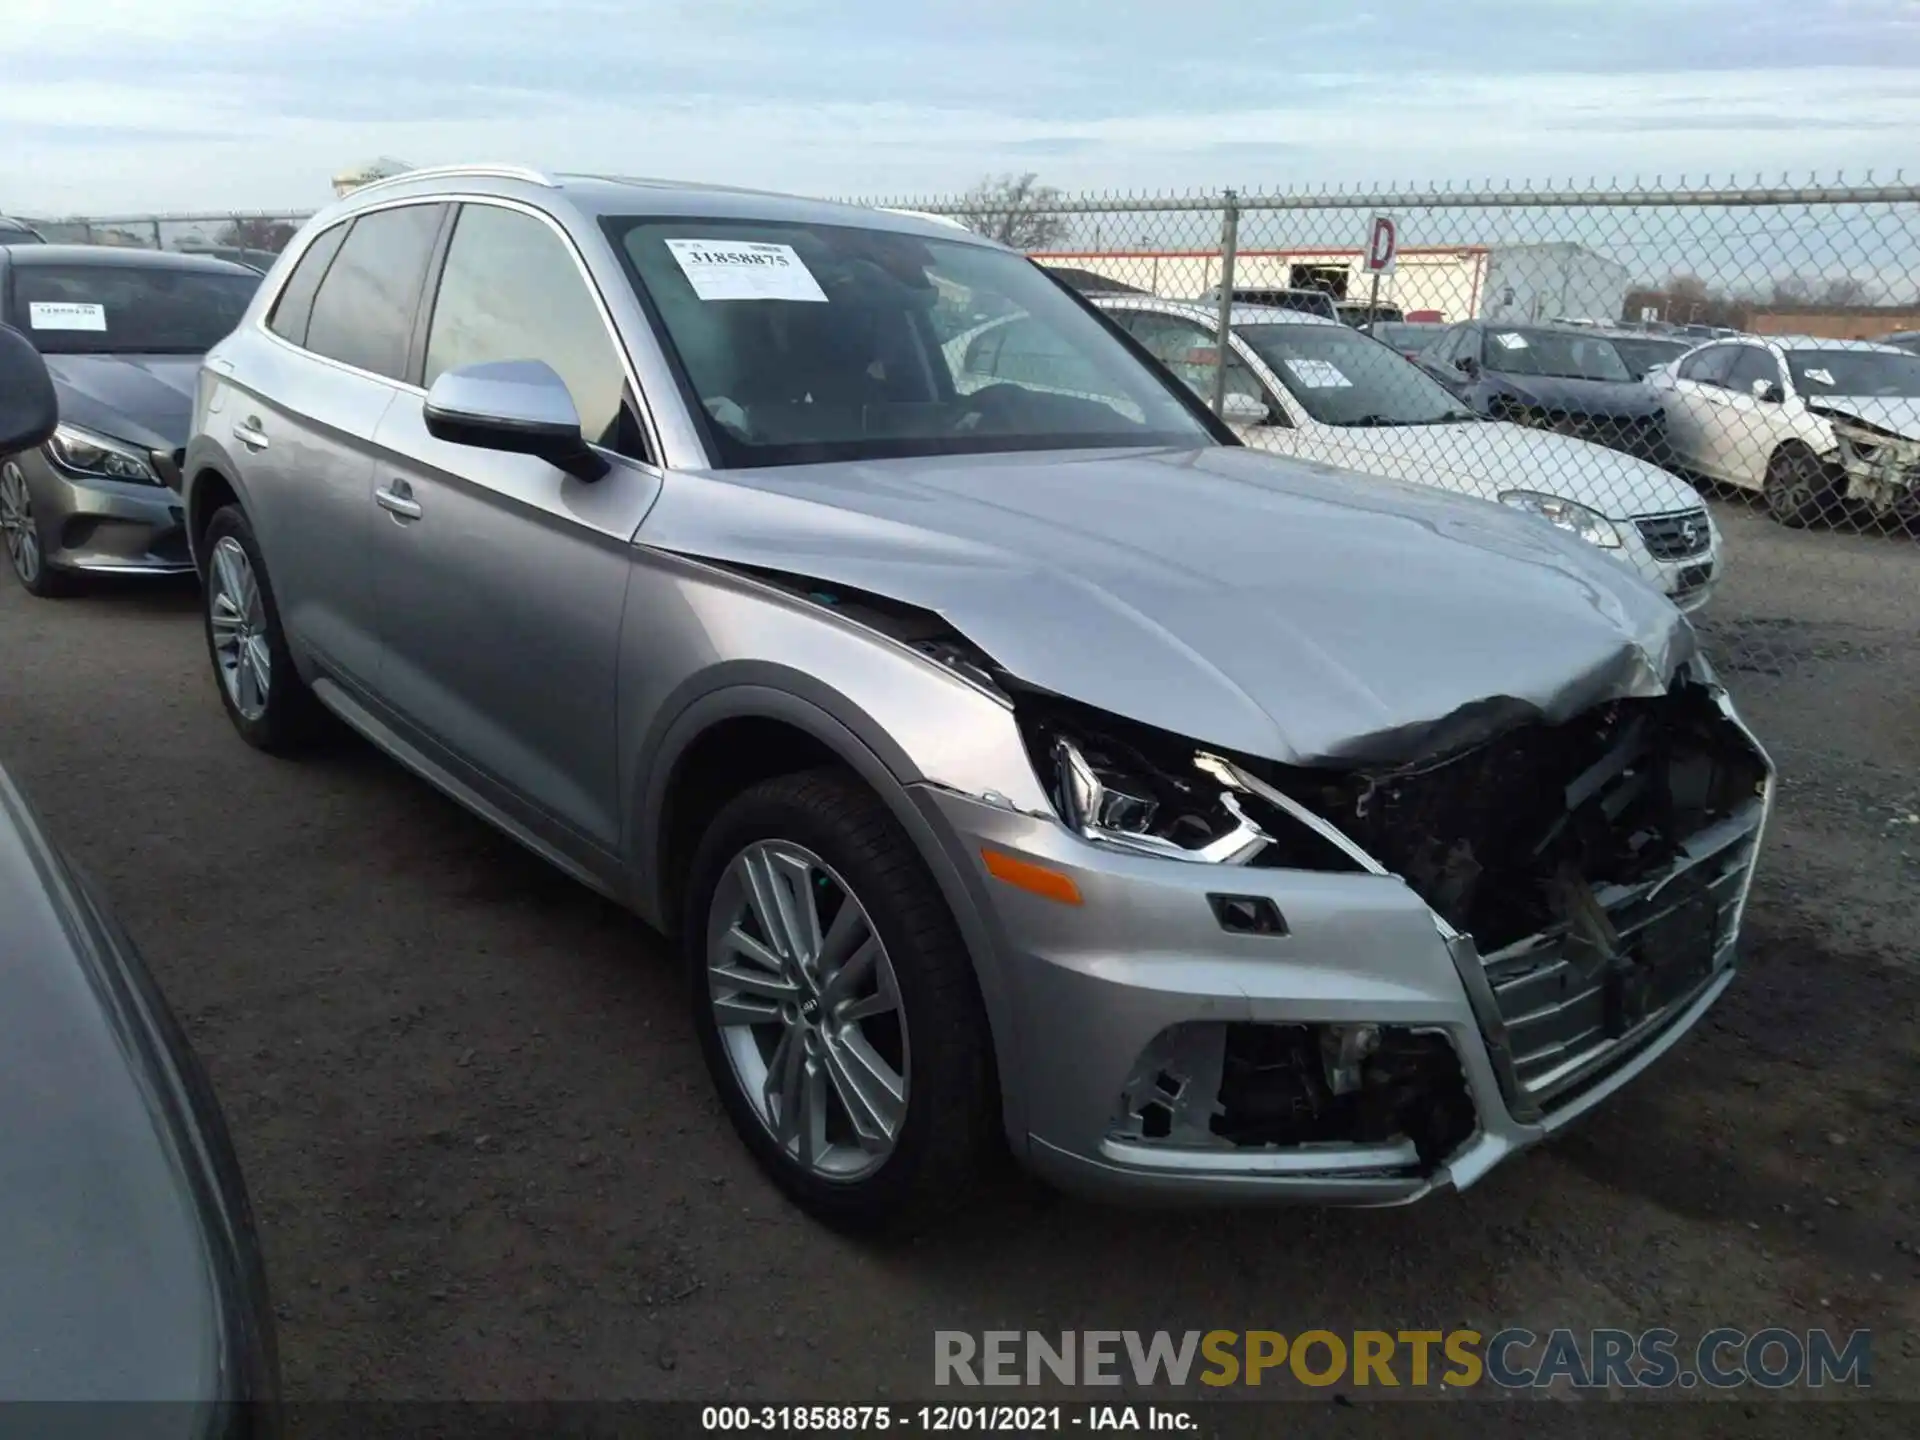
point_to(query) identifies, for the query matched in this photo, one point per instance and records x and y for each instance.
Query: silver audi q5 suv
(1019, 760)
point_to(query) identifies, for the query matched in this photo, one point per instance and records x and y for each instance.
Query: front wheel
(20, 530)
(1799, 489)
(264, 695)
(836, 1004)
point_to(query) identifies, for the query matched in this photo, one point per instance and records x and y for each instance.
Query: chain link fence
(1716, 386)
(1707, 383)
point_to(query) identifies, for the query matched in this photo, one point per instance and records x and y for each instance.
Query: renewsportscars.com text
(1513, 1358)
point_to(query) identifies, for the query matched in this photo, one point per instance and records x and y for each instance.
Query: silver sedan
(1021, 762)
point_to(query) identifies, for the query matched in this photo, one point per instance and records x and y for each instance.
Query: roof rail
(438, 172)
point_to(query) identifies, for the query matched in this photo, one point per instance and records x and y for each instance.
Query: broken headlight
(1569, 515)
(1113, 800)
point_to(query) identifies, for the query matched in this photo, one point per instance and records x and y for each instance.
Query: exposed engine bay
(1878, 468)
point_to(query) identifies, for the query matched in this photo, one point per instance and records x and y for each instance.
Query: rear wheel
(836, 1005)
(26, 550)
(264, 695)
(1799, 489)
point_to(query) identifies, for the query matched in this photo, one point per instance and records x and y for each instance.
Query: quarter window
(511, 291)
(363, 313)
(295, 305)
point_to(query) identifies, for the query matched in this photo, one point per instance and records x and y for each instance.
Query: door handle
(401, 504)
(249, 433)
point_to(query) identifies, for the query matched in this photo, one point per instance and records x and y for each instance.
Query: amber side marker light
(1039, 880)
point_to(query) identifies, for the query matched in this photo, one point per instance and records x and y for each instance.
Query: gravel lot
(487, 1165)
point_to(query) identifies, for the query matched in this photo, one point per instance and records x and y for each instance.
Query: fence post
(1229, 244)
(86, 231)
(156, 235)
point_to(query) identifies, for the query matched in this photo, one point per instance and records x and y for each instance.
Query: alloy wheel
(16, 524)
(808, 1010)
(237, 615)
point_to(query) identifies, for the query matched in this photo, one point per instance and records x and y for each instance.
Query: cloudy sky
(134, 105)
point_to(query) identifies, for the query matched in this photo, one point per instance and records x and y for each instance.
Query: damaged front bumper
(1878, 470)
(1197, 1032)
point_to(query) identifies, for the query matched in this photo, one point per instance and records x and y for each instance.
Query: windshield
(1877, 373)
(1641, 355)
(1555, 353)
(127, 309)
(1341, 377)
(801, 343)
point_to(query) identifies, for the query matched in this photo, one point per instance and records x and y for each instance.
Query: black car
(1566, 378)
(127, 1250)
(122, 331)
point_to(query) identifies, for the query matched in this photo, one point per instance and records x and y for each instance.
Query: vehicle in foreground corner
(1301, 386)
(18, 232)
(1020, 763)
(1553, 378)
(122, 331)
(1818, 427)
(126, 1240)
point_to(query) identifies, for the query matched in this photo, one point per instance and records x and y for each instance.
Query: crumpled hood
(1272, 607)
(1484, 459)
(1901, 416)
(146, 400)
(1581, 397)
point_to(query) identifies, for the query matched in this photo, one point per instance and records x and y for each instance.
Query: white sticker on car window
(1819, 377)
(1319, 374)
(65, 315)
(1508, 340)
(745, 270)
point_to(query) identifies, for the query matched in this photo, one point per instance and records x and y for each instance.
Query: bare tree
(257, 234)
(1792, 290)
(1016, 210)
(1846, 290)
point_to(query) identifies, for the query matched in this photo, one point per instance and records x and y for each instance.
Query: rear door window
(295, 305)
(363, 313)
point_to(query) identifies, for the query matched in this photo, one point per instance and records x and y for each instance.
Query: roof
(603, 195)
(1819, 342)
(1209, 315)
(127, 256)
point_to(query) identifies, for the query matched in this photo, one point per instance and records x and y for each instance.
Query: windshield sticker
(1819, 377)
(745, 270)
(65, 315)
(1319, 374)
(1510, 341)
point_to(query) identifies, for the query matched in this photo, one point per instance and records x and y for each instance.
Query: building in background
(354, 176)
(1429, 283)
(1834, 322)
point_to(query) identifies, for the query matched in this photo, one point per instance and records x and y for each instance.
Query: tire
(824, 835)
(1799, 490)
(25, 543)
(279, 716)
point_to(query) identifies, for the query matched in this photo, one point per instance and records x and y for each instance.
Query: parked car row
(1818, 427)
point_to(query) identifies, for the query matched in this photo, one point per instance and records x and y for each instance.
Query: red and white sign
(1383, 245)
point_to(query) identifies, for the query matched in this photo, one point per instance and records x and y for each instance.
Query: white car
(1323, 391)
(1811, 424)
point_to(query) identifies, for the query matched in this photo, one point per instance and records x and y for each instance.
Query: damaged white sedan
(1819, 427)
(1022, 765)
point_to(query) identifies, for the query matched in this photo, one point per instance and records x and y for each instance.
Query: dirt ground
(487, 1165)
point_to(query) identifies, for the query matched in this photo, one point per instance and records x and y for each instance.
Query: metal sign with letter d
(1383, 245)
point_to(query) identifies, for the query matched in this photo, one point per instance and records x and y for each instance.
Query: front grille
(1679, 536)
(1569, 1013)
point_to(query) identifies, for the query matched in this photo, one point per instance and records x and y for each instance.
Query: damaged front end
(1878, 469)
(1587, 877)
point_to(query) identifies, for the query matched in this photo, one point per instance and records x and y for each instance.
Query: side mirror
(28, 407)
(1239, 408)
(1467, 365)
(1767, 392)
(520, 406)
